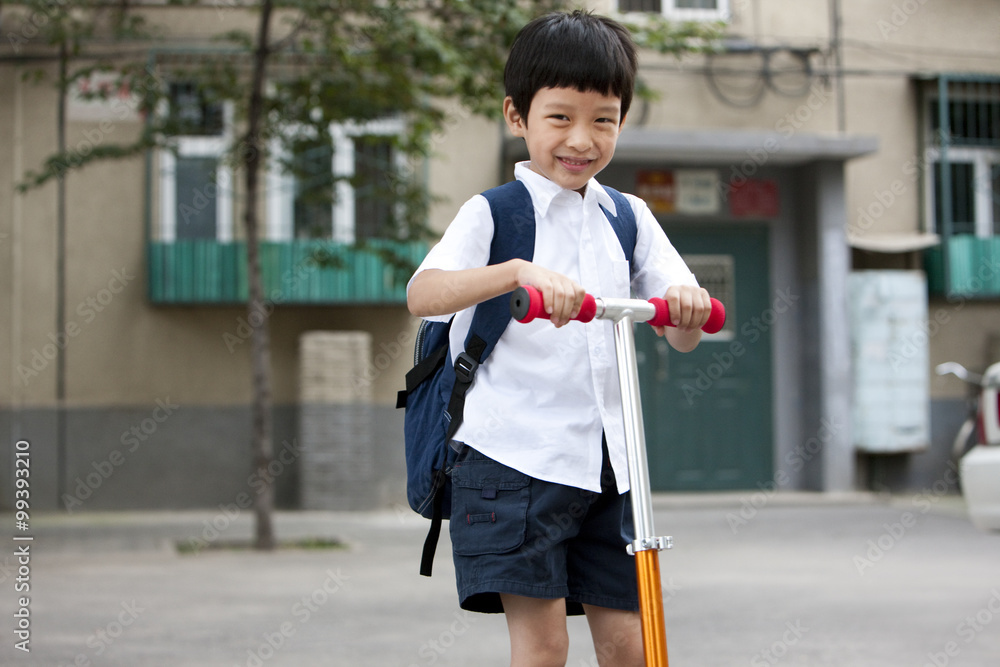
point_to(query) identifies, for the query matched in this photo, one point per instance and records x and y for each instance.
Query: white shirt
(543, 399)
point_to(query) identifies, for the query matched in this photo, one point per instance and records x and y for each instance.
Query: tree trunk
(260, 340)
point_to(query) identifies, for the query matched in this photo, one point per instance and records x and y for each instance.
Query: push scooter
(526, 304)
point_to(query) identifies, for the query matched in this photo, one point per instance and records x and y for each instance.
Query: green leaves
(331, 62)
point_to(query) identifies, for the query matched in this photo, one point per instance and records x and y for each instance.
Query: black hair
(578, 50)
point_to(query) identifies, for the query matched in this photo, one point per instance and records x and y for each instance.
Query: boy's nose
(579, 139)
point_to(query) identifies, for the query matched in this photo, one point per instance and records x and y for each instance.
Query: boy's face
(571, 135)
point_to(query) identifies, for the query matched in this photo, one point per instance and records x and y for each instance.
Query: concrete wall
(169, 454)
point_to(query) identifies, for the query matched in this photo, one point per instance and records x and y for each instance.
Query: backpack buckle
(465, 368)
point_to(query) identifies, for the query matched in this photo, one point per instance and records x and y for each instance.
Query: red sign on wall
(754, 198)
(657, 189)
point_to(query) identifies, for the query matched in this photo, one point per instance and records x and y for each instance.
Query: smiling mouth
(574, 164)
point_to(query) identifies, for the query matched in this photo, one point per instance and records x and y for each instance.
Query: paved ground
(753, 580)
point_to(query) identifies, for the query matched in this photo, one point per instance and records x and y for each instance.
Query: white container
(980, 470)
(890, 361)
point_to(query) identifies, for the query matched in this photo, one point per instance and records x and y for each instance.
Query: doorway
(708, 413)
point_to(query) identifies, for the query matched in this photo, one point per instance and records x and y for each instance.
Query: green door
(707, 413)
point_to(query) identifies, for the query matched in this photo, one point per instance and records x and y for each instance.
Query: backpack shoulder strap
(513, 238)
(624, 224)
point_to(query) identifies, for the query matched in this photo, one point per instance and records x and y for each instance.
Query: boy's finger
(706, 308)
(558, 304)
(554, 304)
(565, 300)
(676, 305)
(577, 301)
(689, 309)
(562, 300)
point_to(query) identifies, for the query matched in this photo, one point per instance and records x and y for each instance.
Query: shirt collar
(543, 191)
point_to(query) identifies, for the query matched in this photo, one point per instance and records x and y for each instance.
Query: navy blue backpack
(434, 397)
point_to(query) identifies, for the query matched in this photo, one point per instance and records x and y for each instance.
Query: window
(195, 185)
(312, 186)
(964, 149)
(716, 273)
(679, 10)
(334, 188)
(961, 169)
(192, 113)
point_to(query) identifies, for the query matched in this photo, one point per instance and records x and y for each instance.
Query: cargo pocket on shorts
(489, 506)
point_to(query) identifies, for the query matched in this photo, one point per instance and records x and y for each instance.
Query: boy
(540, 509)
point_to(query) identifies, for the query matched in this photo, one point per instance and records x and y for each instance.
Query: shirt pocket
(489, 507)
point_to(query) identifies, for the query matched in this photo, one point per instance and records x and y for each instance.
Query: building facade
(832, 175)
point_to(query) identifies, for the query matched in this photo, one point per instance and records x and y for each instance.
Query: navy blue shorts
(512, 533)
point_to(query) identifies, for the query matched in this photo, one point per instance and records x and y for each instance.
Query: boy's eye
(559, 116)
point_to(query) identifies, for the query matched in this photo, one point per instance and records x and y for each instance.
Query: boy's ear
(515, 122)
(621, 123)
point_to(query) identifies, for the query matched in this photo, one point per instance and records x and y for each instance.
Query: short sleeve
(465, 244)
(656, 264)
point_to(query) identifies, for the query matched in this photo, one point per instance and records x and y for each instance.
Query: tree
(290, 65)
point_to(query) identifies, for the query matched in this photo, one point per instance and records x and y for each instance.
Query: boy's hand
(562, 297)
(690, 308)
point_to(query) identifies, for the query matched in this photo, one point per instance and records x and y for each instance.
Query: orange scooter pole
(526, 304)
(654, 634)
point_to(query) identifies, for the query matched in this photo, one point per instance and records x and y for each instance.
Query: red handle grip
(716, 319)
(527, 304)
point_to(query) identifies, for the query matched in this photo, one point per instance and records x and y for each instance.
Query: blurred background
(830, 170)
